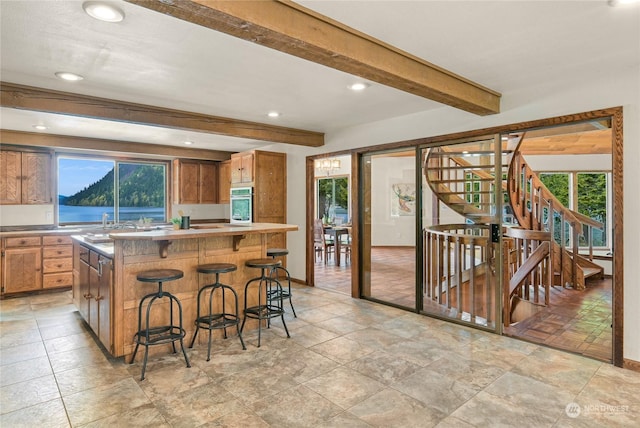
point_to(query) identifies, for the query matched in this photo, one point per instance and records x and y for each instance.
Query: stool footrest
(159, 335)
(263, 312)
(278, 294)
(217, 321)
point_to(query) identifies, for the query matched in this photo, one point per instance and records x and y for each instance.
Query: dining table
(336, 231)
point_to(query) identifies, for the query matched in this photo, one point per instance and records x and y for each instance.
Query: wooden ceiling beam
(44, 100)
(296, 30)
(69, 143)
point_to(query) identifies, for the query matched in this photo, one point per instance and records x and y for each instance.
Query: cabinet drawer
(84, 254)
(57, 265)
(54, 280)
(25, 241)
(58, 251)
(56, 240)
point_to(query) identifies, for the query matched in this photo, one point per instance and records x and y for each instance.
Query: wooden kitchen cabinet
(270, 187)
(57, 261)
(21, 264)
(196, 182)
(25, 178)
(242, 168)
(270, 193)
(105, 283)
(81, 290)
(93, 281)
(35, 262)
(10, 177)
(208, 183)
(224, 182)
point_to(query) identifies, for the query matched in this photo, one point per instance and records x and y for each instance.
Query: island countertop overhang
(204, 232)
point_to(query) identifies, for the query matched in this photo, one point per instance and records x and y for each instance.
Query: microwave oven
(241, 205)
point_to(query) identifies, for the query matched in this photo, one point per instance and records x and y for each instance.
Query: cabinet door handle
(88, 296)
(98, 298)
(101, 263)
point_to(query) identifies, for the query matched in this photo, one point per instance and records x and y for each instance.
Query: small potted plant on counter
(177, 221)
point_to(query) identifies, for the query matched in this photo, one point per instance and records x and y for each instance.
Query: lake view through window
(124, 191)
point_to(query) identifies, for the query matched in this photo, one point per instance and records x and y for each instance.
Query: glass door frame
(613, 114)
(363, 234)
(496, 223)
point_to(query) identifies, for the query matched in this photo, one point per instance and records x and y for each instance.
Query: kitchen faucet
(105, 217)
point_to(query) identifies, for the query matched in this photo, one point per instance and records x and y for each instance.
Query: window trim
(573, 199)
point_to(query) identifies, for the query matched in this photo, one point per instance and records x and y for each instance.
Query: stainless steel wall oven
(241, 202)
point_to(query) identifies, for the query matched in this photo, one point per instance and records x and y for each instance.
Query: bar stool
(266, 310)
(158, 335)
(285, 292)
(223, 319)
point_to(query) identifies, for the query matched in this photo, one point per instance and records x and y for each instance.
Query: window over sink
(89, 188)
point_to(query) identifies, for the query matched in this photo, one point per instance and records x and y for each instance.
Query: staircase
(534, 258)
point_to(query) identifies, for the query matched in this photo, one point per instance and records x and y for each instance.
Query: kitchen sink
(95, 239)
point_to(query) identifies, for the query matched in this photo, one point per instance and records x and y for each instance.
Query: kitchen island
(107, 293)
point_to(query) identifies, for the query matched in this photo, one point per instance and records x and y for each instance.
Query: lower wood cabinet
(36, 262)
(92, 285)
(57, 262)
(21, 264)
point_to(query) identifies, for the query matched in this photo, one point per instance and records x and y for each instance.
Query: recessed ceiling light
(273, 114)
(40, 127)
(188, 143)
(71, 77)
(359, 86)
(103, 11)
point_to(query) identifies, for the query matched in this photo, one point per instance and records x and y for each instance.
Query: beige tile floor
(348, 363)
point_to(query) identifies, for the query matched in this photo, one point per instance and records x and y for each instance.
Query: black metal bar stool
(158, 335)
(285, 292)
(266, 310)
(218, 320)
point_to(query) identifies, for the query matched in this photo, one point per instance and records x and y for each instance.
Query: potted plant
(177, 221)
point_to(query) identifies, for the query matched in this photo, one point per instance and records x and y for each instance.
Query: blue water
(74, 214)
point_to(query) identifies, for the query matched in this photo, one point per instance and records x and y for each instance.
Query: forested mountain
(140, 186)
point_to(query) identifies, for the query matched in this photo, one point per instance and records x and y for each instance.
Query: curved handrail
(588, 221)
(515, 189)
(464, 237)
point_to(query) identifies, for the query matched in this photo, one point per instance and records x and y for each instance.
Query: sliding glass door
(462, 200)
(389, 227)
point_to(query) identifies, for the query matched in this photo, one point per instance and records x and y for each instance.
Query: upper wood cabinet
(195, 182)
(224, 182)
(270, 187)
(242, 168)
(25, 178)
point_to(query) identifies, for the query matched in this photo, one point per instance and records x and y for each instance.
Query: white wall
(26, 215)
(388, 229)
(201, 211)
(557, 98)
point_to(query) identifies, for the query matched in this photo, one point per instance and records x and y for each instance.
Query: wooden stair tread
(589, 272)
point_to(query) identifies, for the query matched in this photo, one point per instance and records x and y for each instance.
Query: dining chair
(322, 244)
(345, 245)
